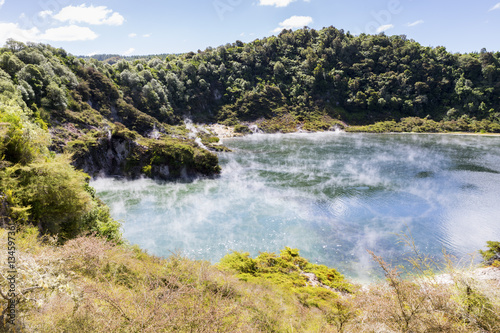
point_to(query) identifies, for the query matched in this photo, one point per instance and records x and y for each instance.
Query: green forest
(358, 79)
(64, 119)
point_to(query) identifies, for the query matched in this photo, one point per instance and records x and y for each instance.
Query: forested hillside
(360, 79)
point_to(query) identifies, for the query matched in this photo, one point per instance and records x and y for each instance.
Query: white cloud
(61, 34)
(2, 2)
(497, 6)
(92, 15)
(45, 13)
(132, 35)
(276, 3)
(384, 27)
(412, 24)
(146, 35)
(294, 22)
(69, 33)
(129, 51)
(115, 19)
(12, 30)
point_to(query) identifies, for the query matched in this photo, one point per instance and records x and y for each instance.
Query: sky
(144, 27)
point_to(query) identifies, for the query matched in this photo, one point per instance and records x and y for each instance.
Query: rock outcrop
(121, 156)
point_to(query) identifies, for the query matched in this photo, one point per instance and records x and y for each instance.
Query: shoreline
(225, 132)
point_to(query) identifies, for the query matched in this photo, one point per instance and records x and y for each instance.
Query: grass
(92, 285)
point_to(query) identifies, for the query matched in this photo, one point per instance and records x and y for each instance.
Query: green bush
(287, 269)
(239, 128)
(492, 255)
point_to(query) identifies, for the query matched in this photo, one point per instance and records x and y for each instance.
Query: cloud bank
(68, 34)
(294, 22)
(275, 3)
(384, 27)
(99, 15)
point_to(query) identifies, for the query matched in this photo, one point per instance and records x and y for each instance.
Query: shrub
(239, 128)
(492, 255)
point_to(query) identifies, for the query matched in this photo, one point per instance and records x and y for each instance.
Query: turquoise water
(332, 195)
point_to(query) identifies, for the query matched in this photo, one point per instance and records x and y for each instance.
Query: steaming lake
(332, 195)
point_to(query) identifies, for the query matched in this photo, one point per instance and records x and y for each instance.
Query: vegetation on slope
(92, 285)
(87, 115)
(308, 79)
(425, 125)
(41, 188)
(359, 79)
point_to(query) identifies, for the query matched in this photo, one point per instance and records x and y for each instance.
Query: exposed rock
(124, 157)
(484, 274)
(492, 260)
(109, 157)
(313, 281)
(223, 131)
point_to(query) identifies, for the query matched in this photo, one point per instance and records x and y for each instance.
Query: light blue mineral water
(334, 196)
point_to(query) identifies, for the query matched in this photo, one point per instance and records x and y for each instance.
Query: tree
(55, 97)
(279, 70)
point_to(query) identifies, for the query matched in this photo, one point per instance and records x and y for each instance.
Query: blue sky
(154, 26)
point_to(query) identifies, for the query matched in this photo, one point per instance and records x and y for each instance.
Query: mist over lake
(332, 195)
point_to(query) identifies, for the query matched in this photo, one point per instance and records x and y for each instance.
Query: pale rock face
(121, 150)
(184, 173)
(162, 171)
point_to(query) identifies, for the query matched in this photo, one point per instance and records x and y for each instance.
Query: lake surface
(332, 195)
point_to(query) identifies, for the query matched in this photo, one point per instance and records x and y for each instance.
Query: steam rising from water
(331, 195)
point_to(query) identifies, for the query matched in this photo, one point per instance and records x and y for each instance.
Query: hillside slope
(359, 79)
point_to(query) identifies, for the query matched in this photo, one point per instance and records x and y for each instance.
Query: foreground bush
(92, 285)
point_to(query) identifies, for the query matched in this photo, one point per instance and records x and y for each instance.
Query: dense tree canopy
(360, 79)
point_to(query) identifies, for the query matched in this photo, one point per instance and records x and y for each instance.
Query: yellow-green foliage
(285, 123)
(287, 269)
(42, 188)
(317, 122)
(492, 255)
(22, 139)
(178, 155)
(56, 197)
(52, 190)
(239, 128)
